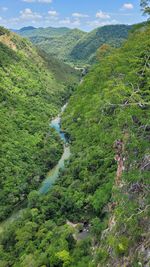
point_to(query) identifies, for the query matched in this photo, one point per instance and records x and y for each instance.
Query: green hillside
(30, 95)
(63, 72)
(97, 213)
(86, 48)
(75, 46)
(43, 32)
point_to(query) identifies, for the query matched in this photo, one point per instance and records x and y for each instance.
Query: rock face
(119, 151)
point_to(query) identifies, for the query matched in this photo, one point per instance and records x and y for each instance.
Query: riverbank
(52, 175)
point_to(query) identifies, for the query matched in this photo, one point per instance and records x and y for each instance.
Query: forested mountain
(96, 215)
(86, 48)
(43, 32)
(58, 42)
(31, 93)
(24, 29)
(75, 46)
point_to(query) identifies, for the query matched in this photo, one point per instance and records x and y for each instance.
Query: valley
(74, 46)
(75, 156)
(52, 175)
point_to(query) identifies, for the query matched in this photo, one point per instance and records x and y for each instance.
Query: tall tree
(145, 5)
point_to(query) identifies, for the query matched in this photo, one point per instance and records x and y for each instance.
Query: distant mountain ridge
(27, 28)
(57, 42)
(97, 212)
(113, 35)
(33, 86)
(73, 45)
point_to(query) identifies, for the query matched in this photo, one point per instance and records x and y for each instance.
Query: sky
(83, 14)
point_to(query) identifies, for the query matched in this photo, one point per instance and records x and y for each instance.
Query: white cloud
(53, 13)
(128, 6)
(79, 15)
(69, 22)
(45, 1)
(26, 11)
(65, 21)
(102, 15)
(38, 1)
(97, 23)
(29, 1)
(76, 23)
(28, 14)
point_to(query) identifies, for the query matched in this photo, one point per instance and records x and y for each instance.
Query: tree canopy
(88, 218)
(145, 5)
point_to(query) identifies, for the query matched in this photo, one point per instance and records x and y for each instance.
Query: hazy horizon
(55, 13)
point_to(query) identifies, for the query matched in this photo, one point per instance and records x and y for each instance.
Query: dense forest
(75, 46)
(113, 35)
(57, 42)
(32, 89)
(97, 212)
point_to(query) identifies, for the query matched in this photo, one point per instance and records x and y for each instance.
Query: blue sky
(83, 14)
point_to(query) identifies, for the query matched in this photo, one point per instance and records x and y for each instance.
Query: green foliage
(101, 256)
(49, 31)
(111, 104)
(75, 46)
(101, 197)
(3, 31)
(64, 257)
(86, 48)
(97, 226)
(120, 245)
(63, 72)
(30, 95)
(57, 42)
(33, 198)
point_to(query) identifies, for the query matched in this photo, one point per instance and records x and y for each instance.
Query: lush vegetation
(30, 95)
(75, 46)
(57, 42)
(145, 5)
(104, 188)
(43, 32)
(86, 48)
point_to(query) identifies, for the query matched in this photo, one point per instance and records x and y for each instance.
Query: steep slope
(63, 73)
(58, 42)
(108, 120)
(113, 35)
(61, 46)
(24, 29)
(97, 213)
(30, 95)
(75, 46)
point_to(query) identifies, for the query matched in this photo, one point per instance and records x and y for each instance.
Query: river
(53, 174)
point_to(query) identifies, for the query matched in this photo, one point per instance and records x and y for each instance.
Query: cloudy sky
(83, 14)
